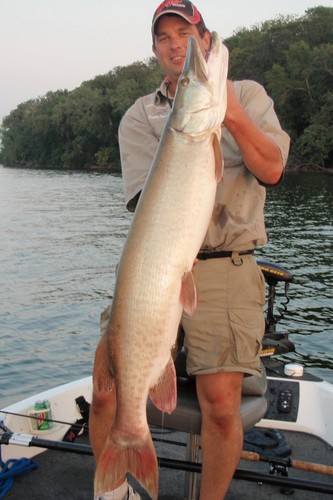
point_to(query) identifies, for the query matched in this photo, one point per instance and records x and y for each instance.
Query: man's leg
(221, 433)
(103, 409)
(103, 406)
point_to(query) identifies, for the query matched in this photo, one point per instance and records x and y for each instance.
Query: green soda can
(42, 411)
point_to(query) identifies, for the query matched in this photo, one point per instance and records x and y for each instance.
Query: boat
(287, 419)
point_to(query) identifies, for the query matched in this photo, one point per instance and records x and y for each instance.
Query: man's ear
(207, 38)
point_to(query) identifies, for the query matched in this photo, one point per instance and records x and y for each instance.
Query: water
(61, 238)
(299, 220)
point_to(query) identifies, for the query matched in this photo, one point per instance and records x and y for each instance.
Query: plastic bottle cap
(294, 370)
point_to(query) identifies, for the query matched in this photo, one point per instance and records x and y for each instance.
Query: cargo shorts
(226, 330)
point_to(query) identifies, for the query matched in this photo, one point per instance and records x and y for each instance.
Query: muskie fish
(154, 279)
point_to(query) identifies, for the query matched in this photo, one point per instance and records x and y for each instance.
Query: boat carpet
(69, 476)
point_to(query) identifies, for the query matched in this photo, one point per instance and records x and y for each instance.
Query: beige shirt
(238, 219)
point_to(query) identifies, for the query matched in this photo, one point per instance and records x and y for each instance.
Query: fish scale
(154, 279)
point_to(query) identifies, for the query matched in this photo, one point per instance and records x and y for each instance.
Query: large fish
(154, 279)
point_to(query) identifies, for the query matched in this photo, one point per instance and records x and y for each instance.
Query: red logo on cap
(189, 10)
(168, 3)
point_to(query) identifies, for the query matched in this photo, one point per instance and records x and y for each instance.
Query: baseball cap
(183, 8)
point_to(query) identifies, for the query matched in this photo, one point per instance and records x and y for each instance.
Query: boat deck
(69, 476)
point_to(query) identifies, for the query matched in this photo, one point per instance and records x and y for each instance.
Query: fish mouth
(200, 100)
(205, 67)
(195, 61)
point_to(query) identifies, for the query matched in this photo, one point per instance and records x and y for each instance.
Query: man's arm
(260, 153)
(137, 144)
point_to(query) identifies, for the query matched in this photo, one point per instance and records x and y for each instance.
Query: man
(223, 337)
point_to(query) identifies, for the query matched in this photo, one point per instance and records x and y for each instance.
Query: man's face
(171, 40)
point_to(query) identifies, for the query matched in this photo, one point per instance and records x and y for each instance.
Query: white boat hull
(315, 410)
(314, 413)
(64, 409)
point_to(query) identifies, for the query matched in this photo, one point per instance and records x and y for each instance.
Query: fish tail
(117, 460)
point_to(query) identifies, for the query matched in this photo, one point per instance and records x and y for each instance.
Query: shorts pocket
(247, 329)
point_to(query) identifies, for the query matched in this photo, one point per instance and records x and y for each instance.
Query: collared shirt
(238, 219)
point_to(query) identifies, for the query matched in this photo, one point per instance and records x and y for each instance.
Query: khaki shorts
(225, 332)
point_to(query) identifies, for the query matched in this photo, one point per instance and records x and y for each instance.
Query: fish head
(201, 97)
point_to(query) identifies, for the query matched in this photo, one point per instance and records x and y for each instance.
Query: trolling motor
(274, 342)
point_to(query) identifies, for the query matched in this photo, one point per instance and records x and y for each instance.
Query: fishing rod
(83, 425)
(276, 461)
(11, 438)
(258, 477)
(288, 462)
(28, 440)
(16, 438)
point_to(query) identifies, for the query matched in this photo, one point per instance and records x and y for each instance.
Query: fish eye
(184, 81)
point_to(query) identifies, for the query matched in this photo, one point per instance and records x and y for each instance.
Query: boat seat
(187, 415)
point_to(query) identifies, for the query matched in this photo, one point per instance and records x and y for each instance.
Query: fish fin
(188, 294)
(219, 163)
(164, 392)
(116, 460)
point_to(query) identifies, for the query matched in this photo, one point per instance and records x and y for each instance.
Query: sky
(47, 45)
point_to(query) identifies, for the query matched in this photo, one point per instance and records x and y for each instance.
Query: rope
(13, 468)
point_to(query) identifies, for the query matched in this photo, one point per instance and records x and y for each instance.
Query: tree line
(291, 56)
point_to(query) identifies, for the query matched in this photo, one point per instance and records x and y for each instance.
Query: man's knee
(220, 397)
(102, 402)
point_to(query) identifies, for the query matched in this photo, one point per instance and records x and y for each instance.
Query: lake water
(61, 238)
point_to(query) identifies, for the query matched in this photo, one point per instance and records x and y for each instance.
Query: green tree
(28, 132)
(301, 89)
(84, 122)
(315, 145)
(291, 56)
